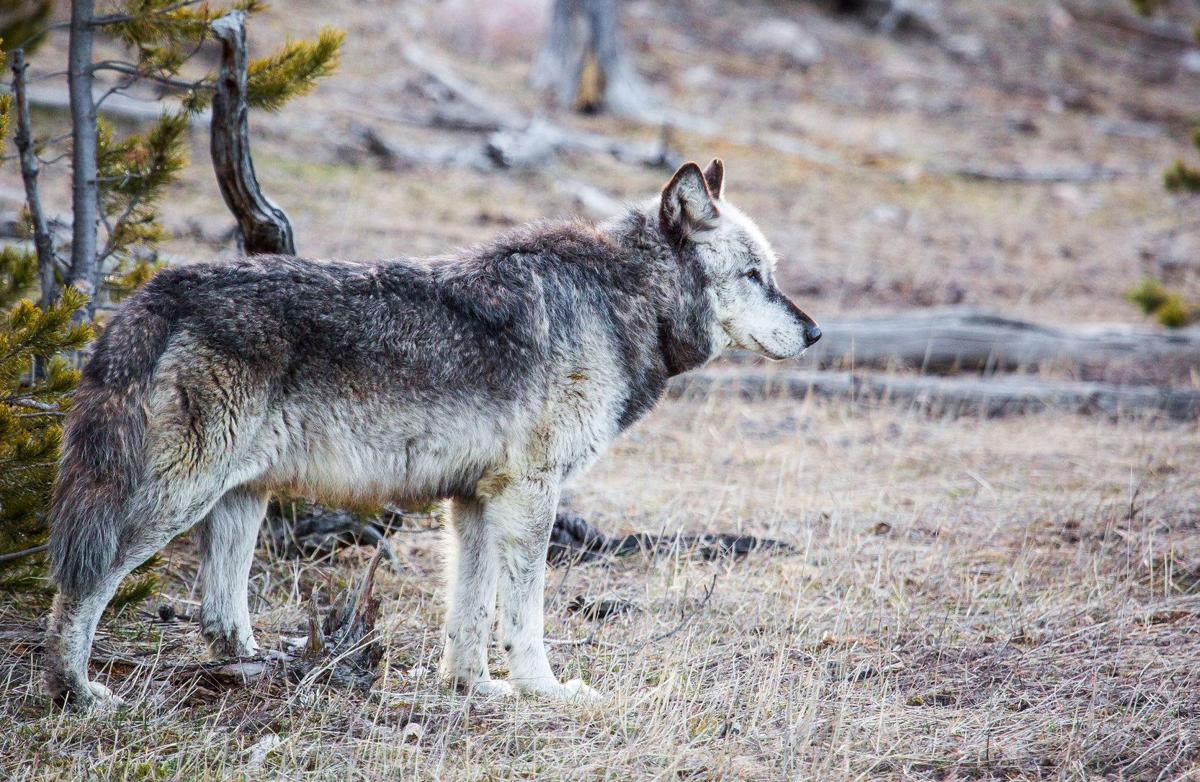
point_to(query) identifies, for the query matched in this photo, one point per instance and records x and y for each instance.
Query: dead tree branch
(265, 227)
(42, 241)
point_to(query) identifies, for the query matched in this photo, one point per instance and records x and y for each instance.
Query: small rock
(698, 76)
(259, 750)
(889, 214)
(786, 39)
(1060, 19)
(1022, 124)
(1174, 256)
(909, 17)
(1190, 61)
(967, 48)
(885, 142)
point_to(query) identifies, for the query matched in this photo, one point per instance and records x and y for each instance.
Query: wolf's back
(102, 456)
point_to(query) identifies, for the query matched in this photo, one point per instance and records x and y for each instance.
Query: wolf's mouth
(760, 348)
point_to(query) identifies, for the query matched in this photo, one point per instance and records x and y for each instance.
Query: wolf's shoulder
(553, 241)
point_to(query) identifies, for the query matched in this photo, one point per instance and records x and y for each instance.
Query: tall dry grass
(968, 599)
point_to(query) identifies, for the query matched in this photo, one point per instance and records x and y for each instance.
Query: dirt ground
(1012, 598)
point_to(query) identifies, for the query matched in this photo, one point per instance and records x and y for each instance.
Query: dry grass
(970, 598)
(1006, 598)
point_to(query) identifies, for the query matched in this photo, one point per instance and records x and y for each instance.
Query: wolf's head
(736, 264)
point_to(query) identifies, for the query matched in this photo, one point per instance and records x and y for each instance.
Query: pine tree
(31, 407)
(162, 37)
(128, 178)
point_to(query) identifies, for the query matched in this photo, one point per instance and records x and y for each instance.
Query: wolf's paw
(492, 688)
(103, 698)
(90, 696)
(574, 691)
(232, 646)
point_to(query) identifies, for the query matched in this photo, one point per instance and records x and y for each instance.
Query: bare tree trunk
(85, 206)
(264, 227)
(583, 34)
(42, 241)
(558, 63)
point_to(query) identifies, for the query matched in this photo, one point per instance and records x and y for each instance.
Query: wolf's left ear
(687, 204)
(714, 175)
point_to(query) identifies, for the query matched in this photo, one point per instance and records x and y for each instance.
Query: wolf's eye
(753, 276)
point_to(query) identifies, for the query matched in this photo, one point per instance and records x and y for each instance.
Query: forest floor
(968, 598)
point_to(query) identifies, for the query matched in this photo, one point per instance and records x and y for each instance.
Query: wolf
(484, 378)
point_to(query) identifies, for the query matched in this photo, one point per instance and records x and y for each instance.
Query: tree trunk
(264, 227)
(42, 241)
(584, 36)
(84, 272)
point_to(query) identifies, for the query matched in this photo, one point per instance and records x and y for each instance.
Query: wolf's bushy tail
(102, 455)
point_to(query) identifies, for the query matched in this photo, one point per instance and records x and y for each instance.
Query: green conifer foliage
(134, 173)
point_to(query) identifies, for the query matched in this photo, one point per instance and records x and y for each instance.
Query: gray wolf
(486, 378)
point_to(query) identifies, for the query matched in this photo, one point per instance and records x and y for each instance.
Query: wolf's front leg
(471, 573)
(522, 516)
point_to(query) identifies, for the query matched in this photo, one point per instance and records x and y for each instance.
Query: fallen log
(988, 397)
(573, 539)
(958, 340)
(1037, 176)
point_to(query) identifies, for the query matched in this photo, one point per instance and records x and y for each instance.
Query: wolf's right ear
(714, 175)
(687, 203)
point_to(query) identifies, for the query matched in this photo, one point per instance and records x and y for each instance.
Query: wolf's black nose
(812, 334)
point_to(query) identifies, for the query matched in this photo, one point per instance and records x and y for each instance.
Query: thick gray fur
(486, 377)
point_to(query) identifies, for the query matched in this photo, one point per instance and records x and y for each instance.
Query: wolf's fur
(487, 377)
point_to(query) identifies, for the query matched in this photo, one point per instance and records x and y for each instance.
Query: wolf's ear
(687, 204)
(714, 175)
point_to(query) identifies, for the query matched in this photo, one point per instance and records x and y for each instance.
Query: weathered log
(989, 397)
(953, 340)
(573, 539)
(516, 139)
(265, 227)
(316, 531)
(342, 649)
(1037, 176)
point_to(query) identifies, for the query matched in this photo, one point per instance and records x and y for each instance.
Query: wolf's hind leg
(471, 575)
(228, 536)
(72, 626)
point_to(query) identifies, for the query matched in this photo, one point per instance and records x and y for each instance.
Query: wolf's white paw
(102, 698)
(491, 688)
(576, 690)
(232, 647)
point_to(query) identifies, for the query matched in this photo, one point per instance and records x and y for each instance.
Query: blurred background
(981, 484)
(900, 154)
